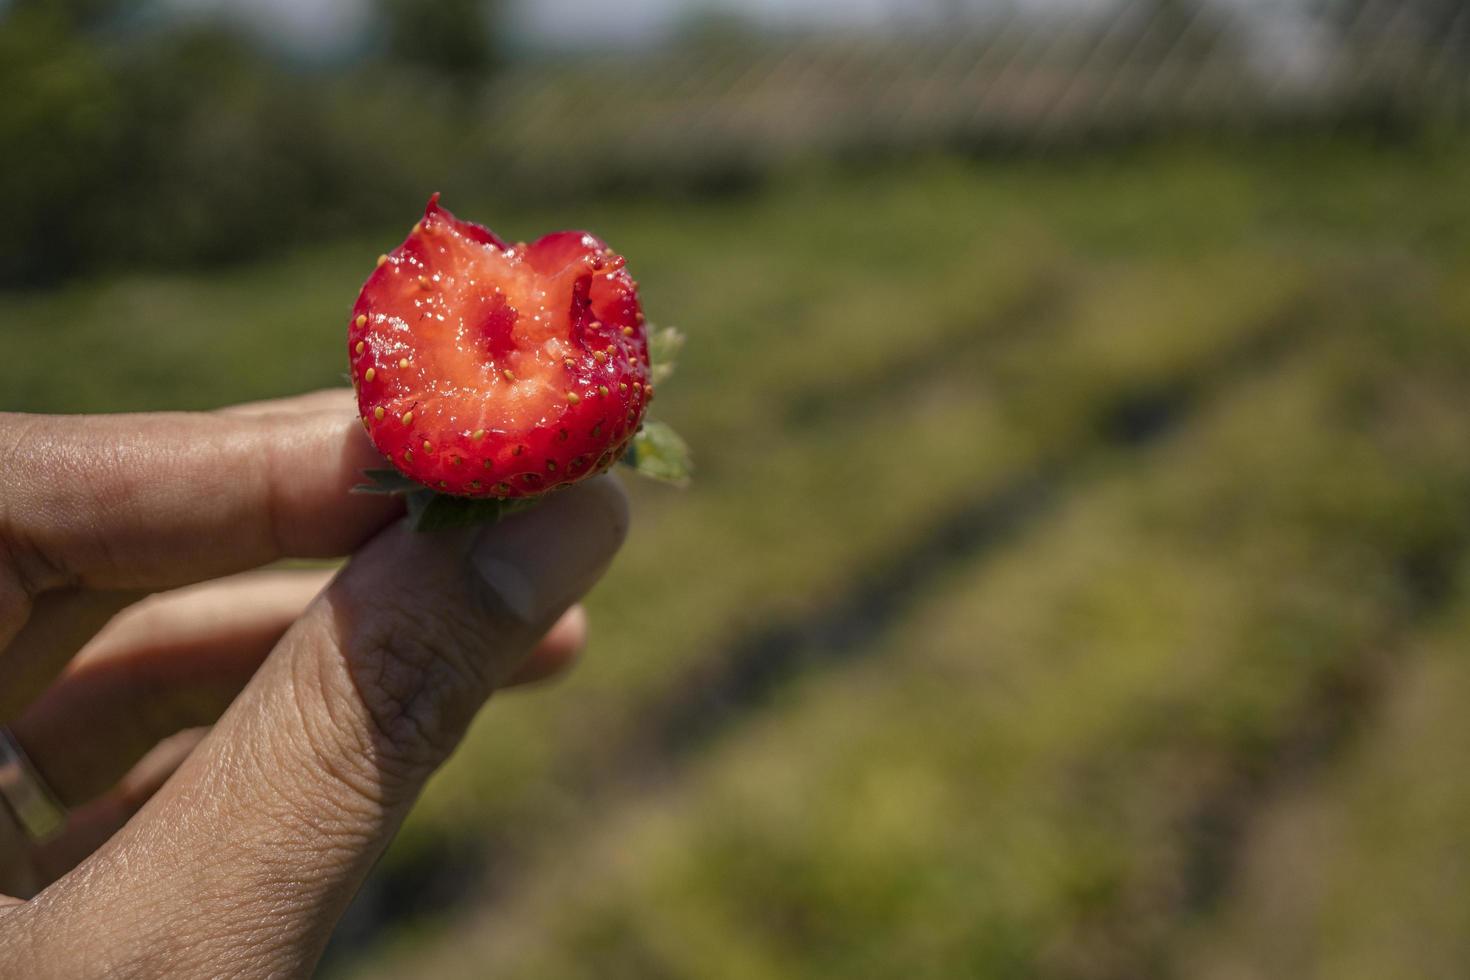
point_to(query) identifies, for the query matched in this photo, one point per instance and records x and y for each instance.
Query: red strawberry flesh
(487, 370)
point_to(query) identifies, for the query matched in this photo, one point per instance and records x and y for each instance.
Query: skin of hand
(237, 747)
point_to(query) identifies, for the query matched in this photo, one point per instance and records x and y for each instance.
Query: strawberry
(503, 371)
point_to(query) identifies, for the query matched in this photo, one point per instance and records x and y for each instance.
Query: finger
(148, 502)
(60, 624)
(25, 868)
(175, 662)
(18, 876)
(65, 626)
(557, 651)
(89, 827)
(171, 662)
(113, 735)
(158, 500)
(197, 616)
(279, 814)
(341, 400)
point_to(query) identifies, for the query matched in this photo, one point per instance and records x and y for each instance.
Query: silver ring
(26, 794)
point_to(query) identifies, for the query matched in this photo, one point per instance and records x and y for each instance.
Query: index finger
(156, 501)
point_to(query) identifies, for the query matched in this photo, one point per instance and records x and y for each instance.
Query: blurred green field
(1141, 479)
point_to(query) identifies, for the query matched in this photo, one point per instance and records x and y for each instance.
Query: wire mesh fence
(719, 106)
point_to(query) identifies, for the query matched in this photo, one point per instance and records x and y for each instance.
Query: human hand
(234, 852)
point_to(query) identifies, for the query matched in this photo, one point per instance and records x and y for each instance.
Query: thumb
(242, 864)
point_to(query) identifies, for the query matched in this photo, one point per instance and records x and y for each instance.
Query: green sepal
(658, 452)
(429, 510)
(432, 511)
(387, 481)
(663, 352)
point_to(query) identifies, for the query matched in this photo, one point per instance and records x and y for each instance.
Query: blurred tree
(1443, 20)
(1175, 15)
(60, 128)
(242, 158)
(454, 39)
(74, 13)
(176, 146)
(709, 28)
(1437, 33)
(1189, 29)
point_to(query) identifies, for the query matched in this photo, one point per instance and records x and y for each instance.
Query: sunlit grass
(1012, 784)
(1364, 872)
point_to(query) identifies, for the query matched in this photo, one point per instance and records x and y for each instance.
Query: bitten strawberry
(491, 370)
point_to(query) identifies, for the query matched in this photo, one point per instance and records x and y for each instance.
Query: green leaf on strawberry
(432, 511)
(387, 482)
(663, 352)
(657, 452)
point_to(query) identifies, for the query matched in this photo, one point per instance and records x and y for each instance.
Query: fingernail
(535, 565)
